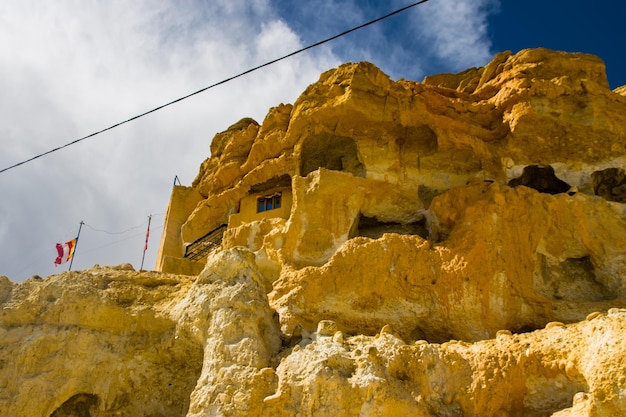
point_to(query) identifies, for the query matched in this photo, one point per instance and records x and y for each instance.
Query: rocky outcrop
(538, 108)
(231, 314)
(455, 247)
(114, 342)
(102, 342)
(541, 373)
(483, 275)
(499, 185)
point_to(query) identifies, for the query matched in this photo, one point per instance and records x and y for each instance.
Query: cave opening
(338, 153)
(542, 179)
(373, 228)
(281, 181)
(610, 184)
(79, 405)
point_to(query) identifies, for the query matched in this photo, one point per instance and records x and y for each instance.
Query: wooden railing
(202, 246)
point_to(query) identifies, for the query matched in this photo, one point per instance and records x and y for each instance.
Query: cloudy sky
(69, 68)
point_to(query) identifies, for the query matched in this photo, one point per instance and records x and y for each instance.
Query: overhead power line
(224, 81)
(116, 233)
(123, 231)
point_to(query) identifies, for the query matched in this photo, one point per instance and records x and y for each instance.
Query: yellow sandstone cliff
(455, 247)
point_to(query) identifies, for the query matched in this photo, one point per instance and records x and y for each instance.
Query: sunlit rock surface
(455, 247)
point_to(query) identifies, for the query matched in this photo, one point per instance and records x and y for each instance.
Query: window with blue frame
(268, 203)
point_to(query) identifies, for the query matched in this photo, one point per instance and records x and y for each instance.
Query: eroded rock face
(102, 342)
(228, 307)
(455, 247)
(537, 373)
(114, 342)
(484, 273)
(543, 119)
(106, 342)
(433, 163)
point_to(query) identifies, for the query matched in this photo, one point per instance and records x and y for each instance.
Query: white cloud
(455, 31)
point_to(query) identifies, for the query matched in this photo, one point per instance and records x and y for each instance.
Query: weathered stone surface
(108, 342)
(484, 274)
(111, 342)
(104, 340)
(455, 247)
(538, 373)
(228, 310)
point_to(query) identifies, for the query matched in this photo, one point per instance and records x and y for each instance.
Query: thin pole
(145, 247)
(75, 245)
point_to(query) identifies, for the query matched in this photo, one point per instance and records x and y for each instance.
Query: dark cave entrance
(79, 405)
(373, 228)
(610, 184)
(542, 179)
(338, 153)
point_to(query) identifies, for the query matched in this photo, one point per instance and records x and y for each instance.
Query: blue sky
(592, 27)
(69, 68)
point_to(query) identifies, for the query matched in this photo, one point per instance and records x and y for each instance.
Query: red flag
(65, 251)
(145, 247)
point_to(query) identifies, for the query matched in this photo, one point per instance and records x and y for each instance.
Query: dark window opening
(268, 203)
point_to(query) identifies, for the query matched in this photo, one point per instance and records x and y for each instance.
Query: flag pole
(145, 247)
(75, 245)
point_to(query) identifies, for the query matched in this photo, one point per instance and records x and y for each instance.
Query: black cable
(123, 231)
(306, 48)
(106, 245)
(115, 233)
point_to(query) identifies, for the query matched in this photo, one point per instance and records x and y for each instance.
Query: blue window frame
(268, 203)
